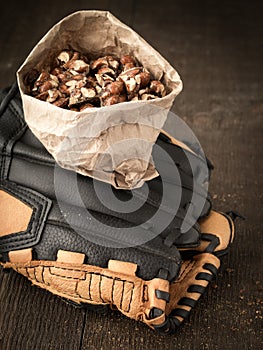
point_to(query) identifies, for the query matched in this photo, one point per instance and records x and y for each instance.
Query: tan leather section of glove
(216, 224)
(22, 255)
(15, 215)
(188, 277)
(116, 285)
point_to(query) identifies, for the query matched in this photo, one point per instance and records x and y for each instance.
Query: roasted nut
(148, 97)
(130, 73)
(128, 77)
(99, 79)
(64, 56)
(74, 109)
(73, 72)
(103, 78)
(105, 94)
(128, 60)
(71, 84)
(135, 98)
(31, 77)
(143, 79)
(104, 62)
(53, 95)
(79, 76)
(43, 96)
(113, 63)
(91, 81)
(76, 83)
(112, 100)
(106, 70)
(81, 83)
(143, 91)
(77, 66)
(75, 97)
(61, 102)
(47, 85)
(131, 85)
(78, 96)
(56, 71)
(85, 105)
(54, 78)
(157, 88)
(128, 66)
(64, 77)
(98, 89)
(115, 88)
(88, 92)
(45, 82)
(100, 62)
(43, 77)
(64, 89)
(122, 98)
(76, 56)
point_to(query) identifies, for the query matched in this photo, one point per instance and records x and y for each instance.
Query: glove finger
(217, 233)
(115, 285)
(192, 282)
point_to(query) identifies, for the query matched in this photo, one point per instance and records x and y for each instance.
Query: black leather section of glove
(150, 257)
(41, 206)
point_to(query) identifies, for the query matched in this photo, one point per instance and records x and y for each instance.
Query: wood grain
(217, 48)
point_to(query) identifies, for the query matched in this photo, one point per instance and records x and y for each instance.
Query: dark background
(216, 46)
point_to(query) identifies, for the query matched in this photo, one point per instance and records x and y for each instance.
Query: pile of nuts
(76, 84)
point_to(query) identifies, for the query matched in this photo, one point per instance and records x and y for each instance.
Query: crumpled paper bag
(112, 143)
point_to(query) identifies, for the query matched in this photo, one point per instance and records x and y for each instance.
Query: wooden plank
(32, 318)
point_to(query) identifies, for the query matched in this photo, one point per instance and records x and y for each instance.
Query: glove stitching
(18, 109)
(13, 134)
(34, 160)
(122, 292)
(132, 291)
(27, 236)
(91, 274)
(35, 274)
(64, 225)
(68, 277)
(90, 287)
(112, 289)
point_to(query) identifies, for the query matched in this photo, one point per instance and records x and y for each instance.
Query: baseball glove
(150, 253)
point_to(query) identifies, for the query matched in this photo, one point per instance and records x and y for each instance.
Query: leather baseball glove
(150, 253)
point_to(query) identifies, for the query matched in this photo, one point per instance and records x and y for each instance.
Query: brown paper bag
(112, 143)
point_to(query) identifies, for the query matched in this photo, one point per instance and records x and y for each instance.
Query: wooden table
(217, 48)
